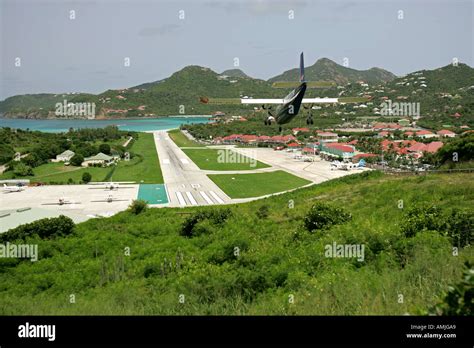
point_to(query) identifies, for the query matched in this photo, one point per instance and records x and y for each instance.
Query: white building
(65, 156)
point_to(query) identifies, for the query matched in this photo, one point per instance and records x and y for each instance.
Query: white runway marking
(166, 161)
(180, 198)
(216, 197)
(195, 185)
(206, 197)
(191, 198)
(184, 161)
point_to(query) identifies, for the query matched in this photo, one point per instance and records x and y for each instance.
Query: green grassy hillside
(255, 258)
(327, 70)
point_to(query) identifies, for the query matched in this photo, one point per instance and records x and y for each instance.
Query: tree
(322, 215)
(22, 169)
(86, 177)
(77, 160)
(105, 148)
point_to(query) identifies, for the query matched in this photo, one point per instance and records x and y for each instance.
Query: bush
(22, 169)
(216, 217)
(138, 206)
(459, 299)
(77, 160)
(322, 215)
(263, 212)
(457, 224)
(422, 218)
(86, 177)
(460, 227)
(151, 270)
(44, 228)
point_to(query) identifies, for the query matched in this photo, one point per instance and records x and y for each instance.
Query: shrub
(322, 215)
(263, 212)
(22, 169)
(77, 160)
(422, 218)
(215, 217)
(460, 227)
(44, 228)
(457, 224)
(138, 206)
(86, 177)
(459, 299)
(151, 270)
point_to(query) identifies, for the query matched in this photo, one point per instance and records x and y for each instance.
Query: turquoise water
(153, 193)
(138, 125)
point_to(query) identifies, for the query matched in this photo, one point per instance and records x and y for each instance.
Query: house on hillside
(100, 159)
(426, 134)
(446, 133)
(327, 136)
(65, 156)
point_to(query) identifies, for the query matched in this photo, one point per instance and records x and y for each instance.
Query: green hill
(441, 93)
(326, 70)
(234, 73)
(253, 258)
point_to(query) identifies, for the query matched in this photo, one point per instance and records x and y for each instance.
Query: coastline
(2, 117)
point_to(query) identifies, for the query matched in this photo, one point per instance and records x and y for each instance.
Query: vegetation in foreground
(262, 257)
(257, 184)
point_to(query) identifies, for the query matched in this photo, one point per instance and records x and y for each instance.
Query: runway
(187, 185)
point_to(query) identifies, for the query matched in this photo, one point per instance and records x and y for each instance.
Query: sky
(85, 46)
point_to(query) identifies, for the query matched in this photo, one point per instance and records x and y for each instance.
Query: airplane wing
(306, 100)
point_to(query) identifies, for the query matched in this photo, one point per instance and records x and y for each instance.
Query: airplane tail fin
(302, 79)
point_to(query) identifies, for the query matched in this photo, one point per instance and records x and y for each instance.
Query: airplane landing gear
(309, 121)
(280, 129)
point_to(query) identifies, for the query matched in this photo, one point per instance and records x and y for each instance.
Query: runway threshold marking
(191, 198)
(216, 197)
(180, 197)
(206, 197)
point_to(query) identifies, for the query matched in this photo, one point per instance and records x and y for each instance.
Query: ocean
(138, 125)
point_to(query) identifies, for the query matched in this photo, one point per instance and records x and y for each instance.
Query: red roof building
(434, 146)
(446, 133)
(341, 147)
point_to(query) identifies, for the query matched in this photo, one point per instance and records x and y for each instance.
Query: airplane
(289, 106)
(61, 201)
(111, 199)
(341, 165)
(9, 189)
